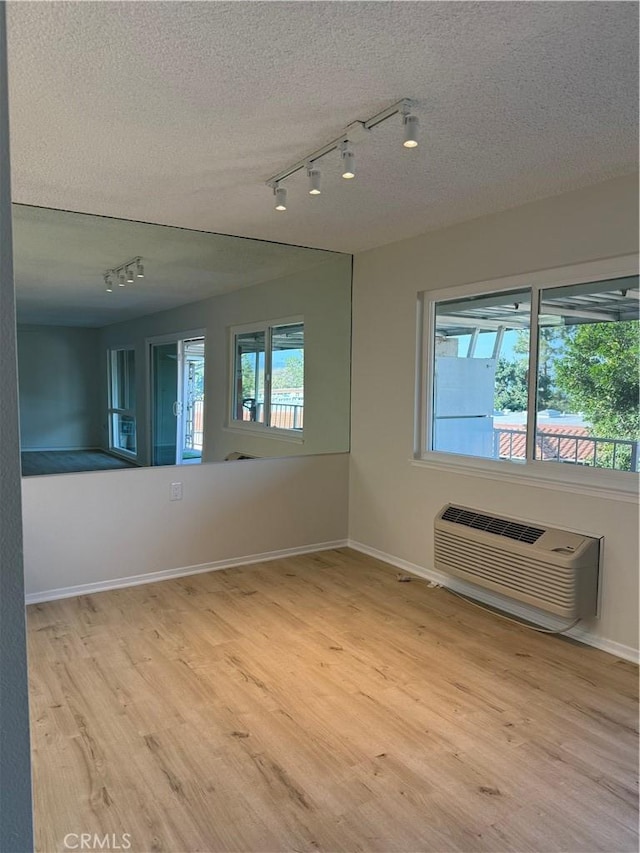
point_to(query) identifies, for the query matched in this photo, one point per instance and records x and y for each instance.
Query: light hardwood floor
(318, 704)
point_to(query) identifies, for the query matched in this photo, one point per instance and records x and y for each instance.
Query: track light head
(410, 124)
(108, 283)
(121, 280)
(129, 276)
(281, 197)
(314, 181)
(139, 268)
(348, 162)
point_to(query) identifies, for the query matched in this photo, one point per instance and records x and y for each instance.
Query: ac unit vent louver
(492, 524)
(553, 570)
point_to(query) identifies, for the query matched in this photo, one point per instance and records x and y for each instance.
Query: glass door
(177, 425)
(164, 426)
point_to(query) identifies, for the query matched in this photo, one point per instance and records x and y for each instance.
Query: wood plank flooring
(317, 704)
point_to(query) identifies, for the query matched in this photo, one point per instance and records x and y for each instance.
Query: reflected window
(268, 375)
(122, 401)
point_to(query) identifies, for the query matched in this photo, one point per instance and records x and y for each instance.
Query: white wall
(322, 295)
(99, 526)
(59, 383)
(392, 502)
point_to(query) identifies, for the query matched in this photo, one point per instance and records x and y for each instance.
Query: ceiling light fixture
(348, 161)
(314, 181)
(353, 133)
(123, 274)
(281, 197)
(411, 124)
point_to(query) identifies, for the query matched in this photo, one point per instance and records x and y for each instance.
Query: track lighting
(356, 132)
(410, 123)
(123, 274)
(348, 162)
(281, 197)
(314, 181)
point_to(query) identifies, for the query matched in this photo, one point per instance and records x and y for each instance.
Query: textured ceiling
(60, 257)
(178, 112)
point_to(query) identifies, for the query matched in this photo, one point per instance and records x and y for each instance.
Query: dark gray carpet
(36, 462)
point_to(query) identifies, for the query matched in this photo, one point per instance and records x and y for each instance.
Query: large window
(535, 375)
(268, 375)
(122, 401)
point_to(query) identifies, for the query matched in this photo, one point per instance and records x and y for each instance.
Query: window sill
(612, 485)
(291, 436)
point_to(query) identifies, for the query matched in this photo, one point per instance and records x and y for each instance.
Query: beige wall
(97, 527)
(322, 295)
(392, 502)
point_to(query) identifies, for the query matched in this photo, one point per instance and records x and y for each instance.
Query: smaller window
(268, 375)
(122, 401)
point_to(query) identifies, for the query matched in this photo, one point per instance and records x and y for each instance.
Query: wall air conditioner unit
(550, 569)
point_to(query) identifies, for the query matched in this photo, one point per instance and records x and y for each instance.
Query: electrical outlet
(175, 492)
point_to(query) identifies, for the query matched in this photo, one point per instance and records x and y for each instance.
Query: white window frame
(621, 485)
(263, 429)
(114, 410)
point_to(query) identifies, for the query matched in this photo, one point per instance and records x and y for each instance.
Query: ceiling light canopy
(356, 131)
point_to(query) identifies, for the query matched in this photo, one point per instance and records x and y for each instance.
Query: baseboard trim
(168, 574)
(513, 608)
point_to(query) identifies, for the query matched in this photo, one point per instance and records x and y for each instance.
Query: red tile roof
(549, 444)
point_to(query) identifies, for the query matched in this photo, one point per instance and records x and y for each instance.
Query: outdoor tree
(598, 372)
(291, 374)
(512, 387)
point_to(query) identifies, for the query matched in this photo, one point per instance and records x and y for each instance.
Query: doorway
(177, 400)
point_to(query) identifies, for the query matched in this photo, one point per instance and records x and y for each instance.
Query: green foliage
(291, 375)
(598, 373)
(248, 361)
(511, 385)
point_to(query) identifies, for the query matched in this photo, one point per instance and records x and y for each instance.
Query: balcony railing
(283, 415)
(616, 453)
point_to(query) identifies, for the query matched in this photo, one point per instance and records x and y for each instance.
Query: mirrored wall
(144, 344)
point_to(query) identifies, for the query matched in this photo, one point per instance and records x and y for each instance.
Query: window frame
(112, 410)
(620, 484)
(263, 429)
